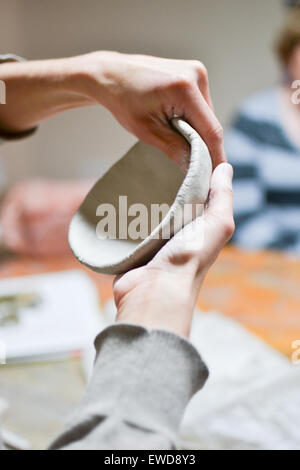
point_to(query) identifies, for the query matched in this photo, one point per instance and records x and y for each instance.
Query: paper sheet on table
(64, 319)
(252, 398)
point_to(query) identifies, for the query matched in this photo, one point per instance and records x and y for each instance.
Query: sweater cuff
(147, 376)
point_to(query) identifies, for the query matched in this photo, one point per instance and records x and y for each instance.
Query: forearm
(142, 92)
(36, 90)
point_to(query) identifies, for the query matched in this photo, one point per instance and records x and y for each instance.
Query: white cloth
(251, 400)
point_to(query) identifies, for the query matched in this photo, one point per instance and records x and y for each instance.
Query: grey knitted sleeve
(142, 382)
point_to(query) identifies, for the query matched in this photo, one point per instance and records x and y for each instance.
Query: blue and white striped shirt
(267, 176)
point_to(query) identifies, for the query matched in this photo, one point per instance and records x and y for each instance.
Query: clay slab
(146, 176)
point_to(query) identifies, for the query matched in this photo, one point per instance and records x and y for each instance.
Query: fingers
(203, 83)
(176, 148)
(202, 118)
(198, 244)
(178, 88)
(219, 212)
(169, 141)
(188, 96)
(199, 112)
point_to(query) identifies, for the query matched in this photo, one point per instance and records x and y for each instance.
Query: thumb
(220, 205)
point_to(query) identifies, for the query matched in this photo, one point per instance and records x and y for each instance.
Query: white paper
(65, 320)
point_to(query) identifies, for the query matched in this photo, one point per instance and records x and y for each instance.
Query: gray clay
(146, 176)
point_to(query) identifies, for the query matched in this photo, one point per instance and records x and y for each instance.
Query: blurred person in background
(263, 146)
(35, 215)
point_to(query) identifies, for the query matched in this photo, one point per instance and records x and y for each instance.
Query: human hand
(163, 293)
(35, 215)
(144, 93)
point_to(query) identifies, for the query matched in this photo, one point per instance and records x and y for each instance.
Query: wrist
(158, 299)
(70, 78)
(98, 70)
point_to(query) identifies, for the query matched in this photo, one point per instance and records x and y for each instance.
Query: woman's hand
(163, 293)
(145, 92)
(142, 92)
(35, 215)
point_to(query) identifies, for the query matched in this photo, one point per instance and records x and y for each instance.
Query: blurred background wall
(232, 37)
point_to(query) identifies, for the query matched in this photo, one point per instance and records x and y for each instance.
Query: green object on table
(11, 306)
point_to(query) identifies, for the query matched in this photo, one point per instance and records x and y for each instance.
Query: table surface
(259, 290)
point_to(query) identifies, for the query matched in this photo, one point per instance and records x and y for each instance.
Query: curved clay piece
(146, 176)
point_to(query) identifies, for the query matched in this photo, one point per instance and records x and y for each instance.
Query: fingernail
(227, 170)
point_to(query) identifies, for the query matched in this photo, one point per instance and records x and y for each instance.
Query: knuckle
(199, 67)
(201, 73)
(228, 228)
(215, 134)
(182, 83)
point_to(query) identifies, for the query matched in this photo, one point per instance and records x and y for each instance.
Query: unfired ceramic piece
(145, 175)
